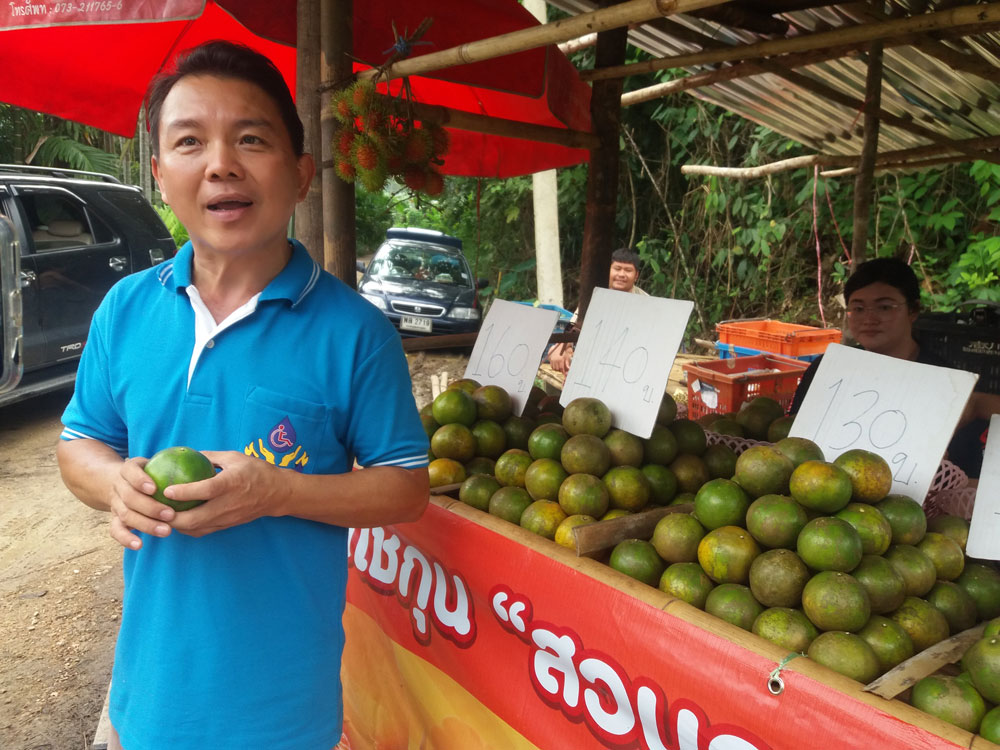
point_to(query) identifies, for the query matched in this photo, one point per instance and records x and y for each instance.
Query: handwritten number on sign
(514, 361)
(616, 359)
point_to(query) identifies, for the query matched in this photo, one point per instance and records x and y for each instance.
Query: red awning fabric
(92, 64)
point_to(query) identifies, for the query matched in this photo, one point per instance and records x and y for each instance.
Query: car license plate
(415, 323)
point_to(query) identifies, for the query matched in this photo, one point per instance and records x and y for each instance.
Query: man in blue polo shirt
(243, 348)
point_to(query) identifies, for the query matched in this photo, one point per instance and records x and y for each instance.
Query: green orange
(662, 483)
(509, 503)
(777, 578)
(871, 477)
(727, 553)
(676, 537)
(547, 440)
(891, 644)
(905, 516)
(625, 448)
(833, 600)
(690, 436)
(721, 502)
(586, 416)
(637, 558)
(584, 494)
(922, 622)
(827, 543)
(585, 454)
(490, 438)
(628, 487)
(518, 429)
(512, 467)
(786, 627)
(445, 471)
(455, 441)
(762, 470)
(477, 490)
(688, 582)
(733, 603)
(564, 533)
(492, 402)
(945, 553)
(846, 653)
(454, 405)
(543, 517)
(820, 486)
(178, 465)
(660, 447)
(776, 520)
(914, 566)
(871, 525)
(543, 478)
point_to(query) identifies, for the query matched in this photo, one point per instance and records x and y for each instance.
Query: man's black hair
(626, 255)
(891, 271)
(226, 60)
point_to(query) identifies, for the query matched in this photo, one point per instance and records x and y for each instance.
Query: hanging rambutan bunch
(342, 106)
(417, 147)
(435, 183)
(440, 140)
(372, 180)
(415, 178)
(345, 141)
(345, 170)
(366, 154)
(363, 95)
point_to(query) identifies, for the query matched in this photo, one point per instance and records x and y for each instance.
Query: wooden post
(602, 176)
(339, 236)
(309, 213)
(866, 166)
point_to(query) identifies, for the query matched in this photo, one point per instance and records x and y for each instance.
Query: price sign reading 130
(903, 411)
(626, 347)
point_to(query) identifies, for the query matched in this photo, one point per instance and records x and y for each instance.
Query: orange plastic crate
(790, 339)
(735, 381)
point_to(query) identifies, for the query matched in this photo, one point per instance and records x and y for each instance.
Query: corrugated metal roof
(916, 85)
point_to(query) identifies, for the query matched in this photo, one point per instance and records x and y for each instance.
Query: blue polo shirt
(233, 640)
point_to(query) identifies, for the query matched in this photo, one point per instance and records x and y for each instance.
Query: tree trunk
(869, 150)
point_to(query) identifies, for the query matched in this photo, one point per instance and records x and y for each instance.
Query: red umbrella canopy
(91, 62)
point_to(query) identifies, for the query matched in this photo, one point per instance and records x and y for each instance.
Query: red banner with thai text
(25, 13)
(461, 637)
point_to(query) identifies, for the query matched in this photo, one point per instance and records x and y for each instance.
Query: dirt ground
(60, 579)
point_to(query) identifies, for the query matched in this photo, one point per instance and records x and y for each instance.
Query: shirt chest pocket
(286, 431)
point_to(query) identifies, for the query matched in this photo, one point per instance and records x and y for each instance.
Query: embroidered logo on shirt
(282, 437)
(279, 448)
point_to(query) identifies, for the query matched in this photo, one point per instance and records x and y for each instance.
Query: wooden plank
(446, 489)
(927, 662)
(592, 539)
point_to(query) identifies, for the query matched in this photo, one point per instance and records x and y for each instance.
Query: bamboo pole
(575, 45)
(339, 231)
(863, 192)
(309, 213)
(460, 120)
(749, 173)
(903, 166)
(602, 175)
(945, 19)
(616, 16)
(909, 158)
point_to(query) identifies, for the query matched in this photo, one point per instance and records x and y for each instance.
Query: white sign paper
(904, 411)
(509, 348)
(623, 357)
(984, 534)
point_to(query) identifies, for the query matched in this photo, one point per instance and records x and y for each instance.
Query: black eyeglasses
(882, 309)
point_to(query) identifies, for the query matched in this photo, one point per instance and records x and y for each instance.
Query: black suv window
(134, 206)
(57, 221)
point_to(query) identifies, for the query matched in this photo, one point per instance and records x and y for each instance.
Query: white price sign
(984, 534)
(509, 348)
(623, 357)
(903, 411)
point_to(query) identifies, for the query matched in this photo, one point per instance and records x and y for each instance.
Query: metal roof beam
(964, 16)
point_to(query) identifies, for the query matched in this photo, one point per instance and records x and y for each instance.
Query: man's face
(623, 276)
(226, 165)
(879, 318)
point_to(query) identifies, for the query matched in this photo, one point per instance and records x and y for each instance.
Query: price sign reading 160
(501, 355)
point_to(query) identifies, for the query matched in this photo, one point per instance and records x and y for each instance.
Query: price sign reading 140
(903, 411)
(626, 347)
(509, 347)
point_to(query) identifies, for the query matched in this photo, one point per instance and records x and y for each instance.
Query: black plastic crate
(968, 340)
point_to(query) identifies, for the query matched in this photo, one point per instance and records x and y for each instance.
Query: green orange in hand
(178, 465)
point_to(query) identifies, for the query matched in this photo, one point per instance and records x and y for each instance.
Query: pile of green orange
(761, 418)
(559, 468)
(818, 557)
(968, 700)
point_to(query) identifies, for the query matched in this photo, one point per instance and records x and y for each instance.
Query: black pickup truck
(71, 236)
